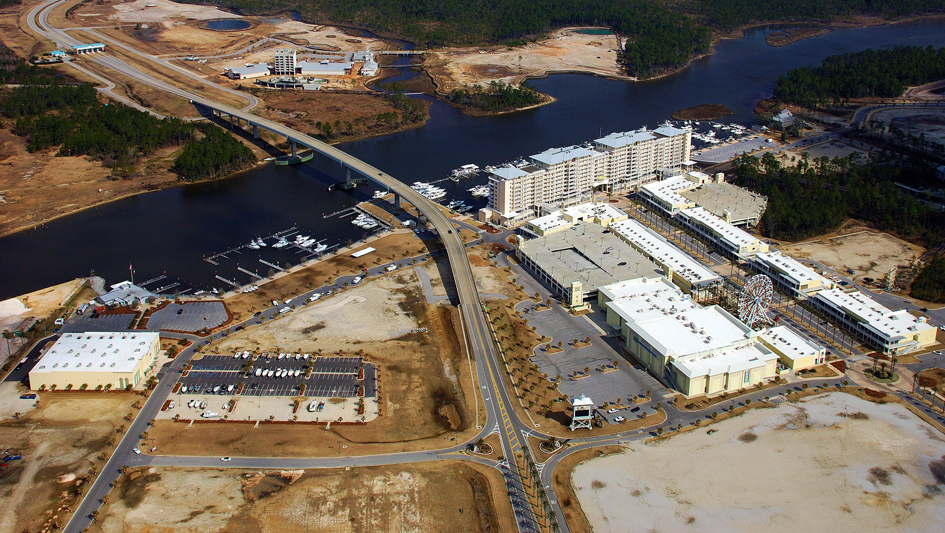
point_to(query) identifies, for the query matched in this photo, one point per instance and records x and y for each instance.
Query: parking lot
(330, 377)
(86, 323)
(724, 153)
(190, 317)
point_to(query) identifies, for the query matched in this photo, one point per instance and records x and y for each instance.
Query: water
(171, 231)
(228, 24)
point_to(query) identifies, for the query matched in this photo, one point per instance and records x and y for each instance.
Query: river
(171, 232)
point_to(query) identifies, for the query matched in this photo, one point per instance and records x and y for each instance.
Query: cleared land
(927, 122)
(425, 389)
(867, 253)
(423, 497)
(829, 459)
(564, 50)
(63, 436)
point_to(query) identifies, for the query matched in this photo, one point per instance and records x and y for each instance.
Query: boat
(260, 242)
(281, 243)
(479, 191)
(380, 194)
(320, 248)
(253, 245)
(369, 224)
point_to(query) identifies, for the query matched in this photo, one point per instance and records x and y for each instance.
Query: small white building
(96, 359)
(362, 56)
(369, 69)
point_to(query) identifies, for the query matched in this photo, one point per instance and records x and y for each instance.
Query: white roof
(737, 237)
(655, 246)
(788, 342)
(325, 68)
(790, 268)
(887, 323)
(669, 131)
(671, 322)
(97, 352)
(551, 221)
(508, 172)
(250, 70)
(582, 400)
(553, 156)
(737, 359)
(668, 190)
(594, 210)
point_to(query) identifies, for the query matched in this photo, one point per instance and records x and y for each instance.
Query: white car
(619, 419)
(612, 410)
(356, 280)
(226, 459)
(136, 450)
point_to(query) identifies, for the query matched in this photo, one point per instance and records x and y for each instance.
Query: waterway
(172, 231)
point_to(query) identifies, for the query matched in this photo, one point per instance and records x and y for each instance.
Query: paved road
(21, 371)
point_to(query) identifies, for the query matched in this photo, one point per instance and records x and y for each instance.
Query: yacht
(253, 245)
(479, 191)
(260, 242)
(320, 248)
(379, 194)
(282, 243)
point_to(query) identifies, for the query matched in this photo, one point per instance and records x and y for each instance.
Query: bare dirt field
(930, 122)
(867, 253)
(422, 497)
(63, 436)
(564, 50)
(830, 150)
(829, 459)
(425, 399)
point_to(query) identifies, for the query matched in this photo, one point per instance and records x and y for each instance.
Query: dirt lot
(834, 471)
(63, 436)
(424, 380)
(869, 254)
(564, 50)
(385, 498)
(829, 149)
(930, 122)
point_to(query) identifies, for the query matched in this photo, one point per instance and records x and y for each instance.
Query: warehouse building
(574, 262)
(324, 68)
(890, 332)
(686, 272)
(248, 71)
(733, 204)
(697, 350)
(730, 240)
(794, 351)
(789, 274)
(88, 48)
(114, 360)
(597, 213)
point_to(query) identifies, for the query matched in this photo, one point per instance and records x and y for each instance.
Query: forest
(216, 154)
(929, 285)
(661, 35)
(497, 97)
(882, 73)
(815, 197)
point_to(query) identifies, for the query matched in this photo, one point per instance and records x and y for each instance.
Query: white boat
(320, 248)
(282, 243)
(260, 242)
(253, 245)
(379, 194)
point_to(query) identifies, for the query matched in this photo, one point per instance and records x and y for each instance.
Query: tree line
(730, 14)
(497, 97)
(882, 73)
(814, 197)
(929, 285)
(216, 154)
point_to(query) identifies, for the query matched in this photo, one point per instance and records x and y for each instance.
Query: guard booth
(583, 413)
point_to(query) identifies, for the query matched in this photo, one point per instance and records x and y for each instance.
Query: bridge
(401, 52)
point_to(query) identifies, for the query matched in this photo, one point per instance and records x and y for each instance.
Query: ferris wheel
(754, 300)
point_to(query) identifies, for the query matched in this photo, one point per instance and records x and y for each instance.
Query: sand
(794, 468)
(869, 254)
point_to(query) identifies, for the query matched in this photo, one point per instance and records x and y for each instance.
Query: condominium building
(890, 332)
(697, 350)
(789, 274)
(284, 62)
(732, 241)
(561, 177)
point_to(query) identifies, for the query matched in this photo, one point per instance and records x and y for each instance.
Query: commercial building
(562, 177)
(324, 68)
(783, 119)
(362, 56)
(697, 350)
(88, 48)
(794, 351)
(732, 241)
(597, 213)
(574, 262)
(684, 270)
(248, 71)
(118, 360)
(284, 62)
(890, 332)
(664, 195)
(733, 204)
(126, 293)
(789, 274)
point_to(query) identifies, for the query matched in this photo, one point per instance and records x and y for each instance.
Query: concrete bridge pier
(396, 200)
(255, 131)
(294, 150)
(231, 122)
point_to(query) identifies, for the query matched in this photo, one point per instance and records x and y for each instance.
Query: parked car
(619, 419)
(634, 410)
(612, 410)
(136, 450)
(13, 457)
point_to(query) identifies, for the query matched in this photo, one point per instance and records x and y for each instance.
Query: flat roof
(125, 292)
(722, 229)
(259, 68)
(791, 268)
(668, 190)
(550, 221)
(625, 138)
(553, 156)
(736, 359)
(96, 352)
(595, 210)
(585, 253)
(669, 131)
(717, 198)
(884, 321)
(671, 322)
(85, 46)
(657, 247)
(790, 343)
(365, 251)
(323, 67)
